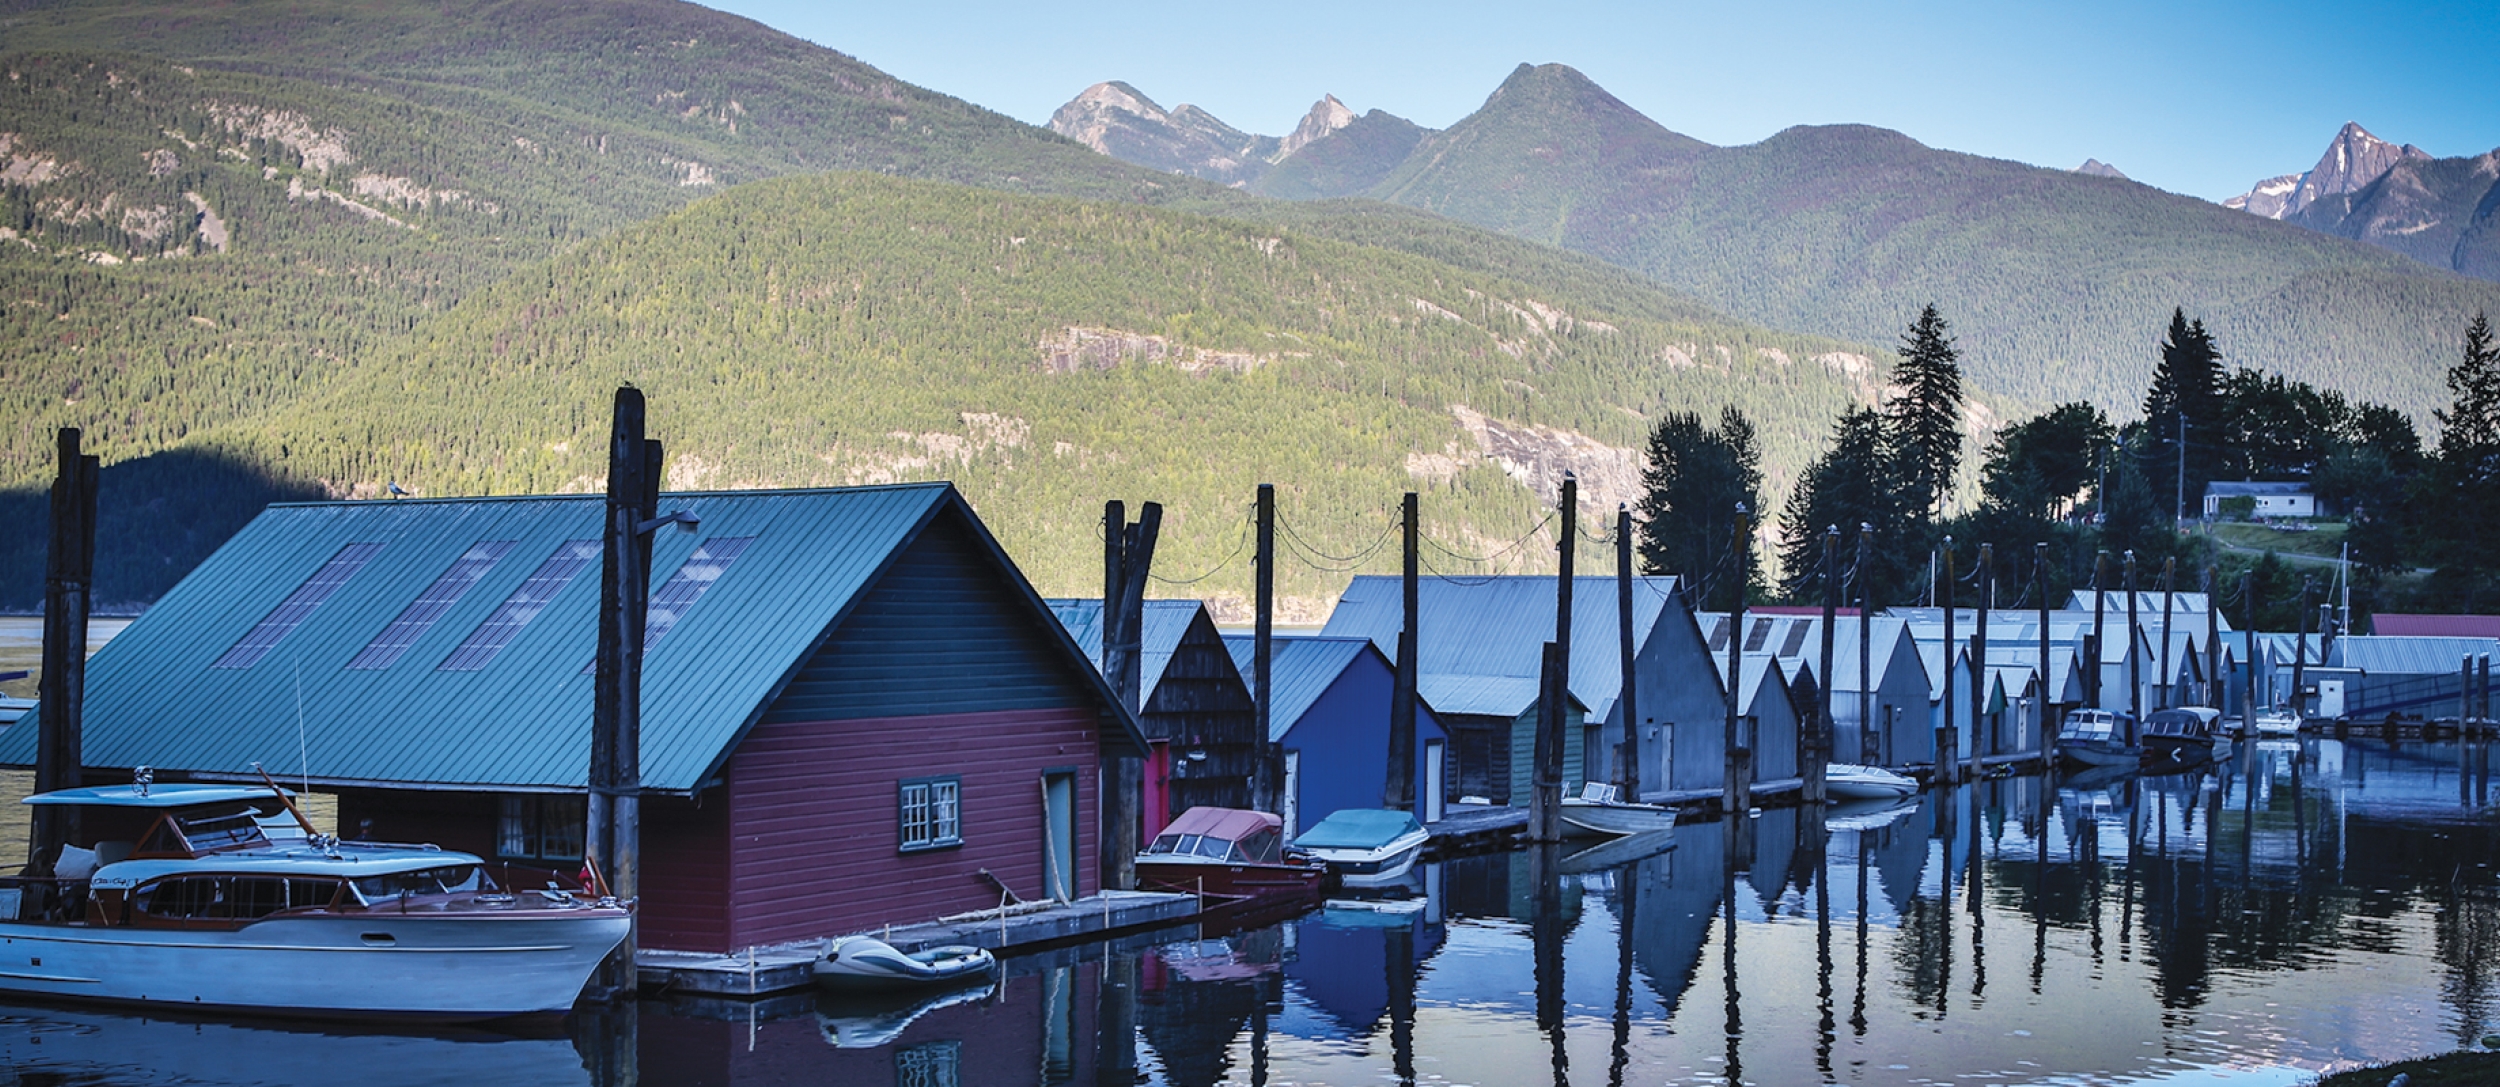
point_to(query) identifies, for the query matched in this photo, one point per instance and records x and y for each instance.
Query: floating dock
(1474, 828)
(762, 971)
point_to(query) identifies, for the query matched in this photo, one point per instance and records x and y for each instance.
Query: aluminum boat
(1600, 809)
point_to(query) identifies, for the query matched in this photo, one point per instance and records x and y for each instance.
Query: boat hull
(1373, 867)
(1866, 783)
(2094, 754)
(1616, 819)
(372, 965)
(1230, 881)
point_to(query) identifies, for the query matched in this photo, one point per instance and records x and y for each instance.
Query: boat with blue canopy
(1366, 847)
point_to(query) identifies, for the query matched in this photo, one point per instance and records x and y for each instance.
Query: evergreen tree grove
(1693, 479)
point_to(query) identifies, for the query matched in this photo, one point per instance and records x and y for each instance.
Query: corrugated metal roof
(2436, 626)
(1484, 696)
(1303, 668)
(523, 721)
(1166, 622)
(2147, 602)
(2226, 489)
(1498, 626)
(2384, 655)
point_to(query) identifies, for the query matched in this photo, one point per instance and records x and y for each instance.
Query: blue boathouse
(1331, 721)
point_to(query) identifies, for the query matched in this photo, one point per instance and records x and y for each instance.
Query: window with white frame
(931, 813)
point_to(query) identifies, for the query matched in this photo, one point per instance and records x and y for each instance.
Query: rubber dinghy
(866, 963)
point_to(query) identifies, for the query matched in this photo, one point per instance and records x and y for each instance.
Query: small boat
(1855, 781)
(1230, 856)
(183, 899)
(2183, 734)
(2097, 738)
(1599, 809)
(1366, 847)
(2277, 722)
(857, 963)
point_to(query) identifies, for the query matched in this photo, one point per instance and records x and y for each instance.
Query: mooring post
(2213, 638)
(1820, 756)
(1263, 784)
(1128, 559)
(1399, 792)
(2100, 637)
(1868, 740)
(2169, 678)
(1980, 599)
(61, 691)
(1948, 740)
(1734, 792)
(1545, 770)
(614, 808)
(2300, 657)
(2135, 678)
(1567, 517)
(2248, 637)
(2048, 725)
(1627, 703)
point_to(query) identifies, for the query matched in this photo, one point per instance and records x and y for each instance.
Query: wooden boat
(1228, 855)
(1599, 809)
(186, 901)
(2097, 738)
(866, 963)
(1854, 781)
(2184, 734)
(1366, 847)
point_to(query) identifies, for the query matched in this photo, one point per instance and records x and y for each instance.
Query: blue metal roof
(2410, 656)
(1303, 668)
(523, 720)
(1166, 623)
(1497, 627)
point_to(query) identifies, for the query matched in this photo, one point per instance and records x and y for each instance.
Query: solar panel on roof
(297, 607)
(516, 611)
(420, 614)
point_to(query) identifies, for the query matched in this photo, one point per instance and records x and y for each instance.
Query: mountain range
(2058, 282)
(2442, 212)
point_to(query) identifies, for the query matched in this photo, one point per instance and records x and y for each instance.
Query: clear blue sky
(2196, 97)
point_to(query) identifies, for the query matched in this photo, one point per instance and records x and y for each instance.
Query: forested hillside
(1048, 354)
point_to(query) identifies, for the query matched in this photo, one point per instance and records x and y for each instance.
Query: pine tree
(2187, 383)
(2455, 498)
(1924, 419)
(1844, 487)
(1694, 479)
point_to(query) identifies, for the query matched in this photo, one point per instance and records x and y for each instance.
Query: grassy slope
(2058, 283)
(839, 328)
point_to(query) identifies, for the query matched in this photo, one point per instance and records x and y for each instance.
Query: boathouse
(1331, 722)
(1479, 647)
(855, 709)
(1194, 707)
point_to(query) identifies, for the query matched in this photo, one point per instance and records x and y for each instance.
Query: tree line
(2092, 489)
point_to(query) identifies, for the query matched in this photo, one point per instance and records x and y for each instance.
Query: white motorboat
(1599, 809)
(1366, 847)
(868, 963)
(2277, 722)
(189, 903)
(1855, 781)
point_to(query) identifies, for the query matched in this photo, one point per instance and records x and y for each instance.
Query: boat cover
(1358, 828)
(1228, 824)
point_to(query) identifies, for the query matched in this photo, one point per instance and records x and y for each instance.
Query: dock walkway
(762, 971)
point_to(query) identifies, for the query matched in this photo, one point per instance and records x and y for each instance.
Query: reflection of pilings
(1545, 933)
(1628, 893)
(1735, 824)
(2126, 901)
(2040, 881)
(1115, 1017)
(1857, 1009)
(1970, 897)
(1826, 1032)
(1401, 967)
(1258, 1029)
(609, 1036)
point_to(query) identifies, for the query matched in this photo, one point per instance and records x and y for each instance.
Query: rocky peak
(2353, 159)
(2097, 168)
(1326, 116)
(1115, 119)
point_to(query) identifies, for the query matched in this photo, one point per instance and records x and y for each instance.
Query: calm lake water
(2299, 908)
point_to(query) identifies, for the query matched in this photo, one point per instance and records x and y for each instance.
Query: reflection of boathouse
(855, 711)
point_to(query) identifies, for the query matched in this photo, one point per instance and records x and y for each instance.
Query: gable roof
(2436, 626)
(2383, 655)
(2226, 489)
(521, 718)
(1303, 667)
(1165, 624)
(1497, 626)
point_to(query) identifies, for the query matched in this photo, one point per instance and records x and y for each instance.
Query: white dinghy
(856, 963)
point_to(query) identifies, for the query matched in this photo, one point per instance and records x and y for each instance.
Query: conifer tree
(2188, 383)
(1847, 486)
(2457, 494)
(1693, 479)
(1924, 419)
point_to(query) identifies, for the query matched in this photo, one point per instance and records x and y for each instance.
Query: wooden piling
(2248, 622)
(1734, 791)
(1948, 739)
(1545, 793)
(1819, 756)
(1398, 792)
(61, 691)
(1263, 785)
(614, 806)
(1869, 748)
(1567, 517)
(2100, 579)
(2135, 665)
(2048, 726)
(1979, 660)
(1628, 703)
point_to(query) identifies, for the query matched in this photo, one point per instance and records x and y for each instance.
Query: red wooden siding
(814, 824)
(685, 872)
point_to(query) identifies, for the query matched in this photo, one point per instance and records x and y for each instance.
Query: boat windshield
(449, 879)
(2089, 726)
(205, 832)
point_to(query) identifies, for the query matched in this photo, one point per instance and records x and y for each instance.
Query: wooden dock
(1474, 828)
(759, 972)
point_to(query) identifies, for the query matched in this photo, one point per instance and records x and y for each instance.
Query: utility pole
(1948, 739)
(614, 809)
(1821, 754)
(1398, 793)
(1735, 794)
(1263, 651)
(61, 692)
(1628, 704)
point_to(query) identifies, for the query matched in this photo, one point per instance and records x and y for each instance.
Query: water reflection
(2285, 908)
